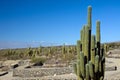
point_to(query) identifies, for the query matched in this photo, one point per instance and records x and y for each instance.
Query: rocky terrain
(111, 72)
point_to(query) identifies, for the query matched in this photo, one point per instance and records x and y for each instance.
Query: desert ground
(112, 61)
(109, 74)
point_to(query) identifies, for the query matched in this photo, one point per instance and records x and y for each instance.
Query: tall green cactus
(87, 71)
(91, 70)
(90, 55)
(96, 63)
(86, 52)
(82, 66)
(89, 16)
(78, 70)
(93, 49)
(83, 38)
(98, 36)
(98, 31)
(78, 48)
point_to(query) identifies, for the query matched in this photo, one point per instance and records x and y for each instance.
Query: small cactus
(63, 49)
(75, 68)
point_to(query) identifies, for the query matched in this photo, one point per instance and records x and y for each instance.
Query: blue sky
(56, 21)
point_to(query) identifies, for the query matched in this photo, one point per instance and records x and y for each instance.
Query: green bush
(38, 60)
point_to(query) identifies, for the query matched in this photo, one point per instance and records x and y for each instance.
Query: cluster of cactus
(68, 49)
(72, 49)
(50, 51)
(40, 50)
(90, 63)
(67, 53)
(9, 52)
(29, 52)
(33, 52)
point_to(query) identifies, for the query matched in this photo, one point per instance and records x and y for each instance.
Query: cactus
(49, 52)
(83, 39)
(35, 53)
(78, 49)
(106, 48)
(96, 63)
(63, 49)
(75, 68)
(87, 43)
(29, 52)
(87, 71)
(98, 36)
(101, 78)
(68, 50)
(81, 36)
(90, 55)
(91, 70)
(40, 50)
(93, 49)
(89, 16)
(78, 70)
(98, 31)
(82, 66)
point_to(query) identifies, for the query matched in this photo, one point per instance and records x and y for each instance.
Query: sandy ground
(113, 75)
(109, 75)
(7, 76)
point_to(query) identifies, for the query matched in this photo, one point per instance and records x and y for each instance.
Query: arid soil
(109, 74)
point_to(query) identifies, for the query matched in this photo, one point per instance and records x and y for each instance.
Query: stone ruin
(23, 69)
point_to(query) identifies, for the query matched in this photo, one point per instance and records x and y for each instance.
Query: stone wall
(39, 72)
(57, 77)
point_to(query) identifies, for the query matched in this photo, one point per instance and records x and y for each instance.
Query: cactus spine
(90, 56)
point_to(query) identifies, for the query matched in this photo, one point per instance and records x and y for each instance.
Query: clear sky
(56, 21)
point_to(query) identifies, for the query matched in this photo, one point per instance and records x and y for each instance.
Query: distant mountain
(17, 44)
(5, 45)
